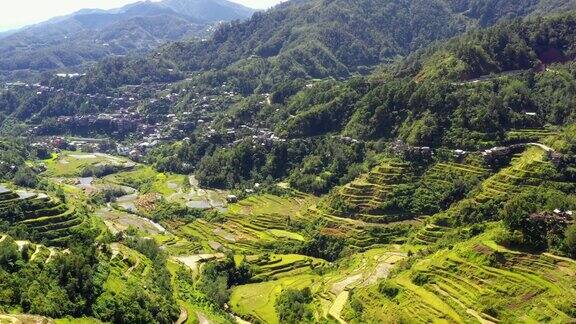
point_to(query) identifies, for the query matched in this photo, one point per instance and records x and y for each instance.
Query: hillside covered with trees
(318, 39)
(324, 161)
(87, 36)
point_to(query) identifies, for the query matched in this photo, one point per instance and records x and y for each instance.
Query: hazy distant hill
(92, 34)
(210, 10)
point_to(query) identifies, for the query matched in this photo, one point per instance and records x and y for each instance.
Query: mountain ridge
(89, 35)
(318, 38)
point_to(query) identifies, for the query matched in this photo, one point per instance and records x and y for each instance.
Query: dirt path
(52, 254)
(542, 146)
(340, 286)
(183, 316)
(202, 318)
(486, 78)
(338, 306)
(385, 263)
(193, 261)
(478, 317)
(21, 244)
(133, 267)
(239, 320)
(29, 319)
(115, 250)
(560, 258)
(33, 256)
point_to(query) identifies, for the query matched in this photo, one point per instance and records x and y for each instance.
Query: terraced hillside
(42, 218)
(360, 235)
(528, 135)
(477, 281)
(381, 206)
(274, 267)
(331, 288)
(376, 197)
(363, 198)
(529, 168)
(127, 266)
(37, 253)
(249, 225)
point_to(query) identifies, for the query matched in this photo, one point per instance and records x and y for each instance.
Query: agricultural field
(46, 219)
(68, 164)
(529, 135)
(331, 287)
(527, 169)
(396, 265)
(364, 196)
(249, 225)
(476, 281)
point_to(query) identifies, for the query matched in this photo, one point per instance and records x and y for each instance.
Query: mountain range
(325, 161)
(322, 38)
(92, 34)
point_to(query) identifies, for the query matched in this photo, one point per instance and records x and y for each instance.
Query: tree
(292, 306)
(570, 241)
(9, 254)
(214, 283)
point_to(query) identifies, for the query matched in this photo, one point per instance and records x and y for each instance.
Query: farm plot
(127, 267)
(527, 169)
(365, 195)
(248, 225)
(330, 289)
(361, 235)
(118, 221)
(257, 300)
(46, 219)
(70, 164)
(477, 281)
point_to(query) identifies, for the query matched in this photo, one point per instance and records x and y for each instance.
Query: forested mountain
(325, 161)
(90, 35)
(465, 93)
(209, 10)
(471, 93)
(320, 38)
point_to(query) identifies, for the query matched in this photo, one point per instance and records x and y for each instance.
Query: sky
(19, 13)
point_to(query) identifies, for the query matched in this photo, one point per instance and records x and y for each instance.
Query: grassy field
(71, 163)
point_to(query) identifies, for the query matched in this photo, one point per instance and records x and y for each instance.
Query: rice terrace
(303, 161)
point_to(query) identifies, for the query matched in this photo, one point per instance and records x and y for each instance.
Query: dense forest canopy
(335, 38)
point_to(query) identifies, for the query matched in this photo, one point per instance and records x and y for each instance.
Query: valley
(366, 161)
(268, 231)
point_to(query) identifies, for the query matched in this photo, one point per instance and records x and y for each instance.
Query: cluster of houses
(58, 143)
(261, 136)
(411, 152)
(555, 218)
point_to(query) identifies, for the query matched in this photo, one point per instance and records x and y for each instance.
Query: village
(141, 117)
